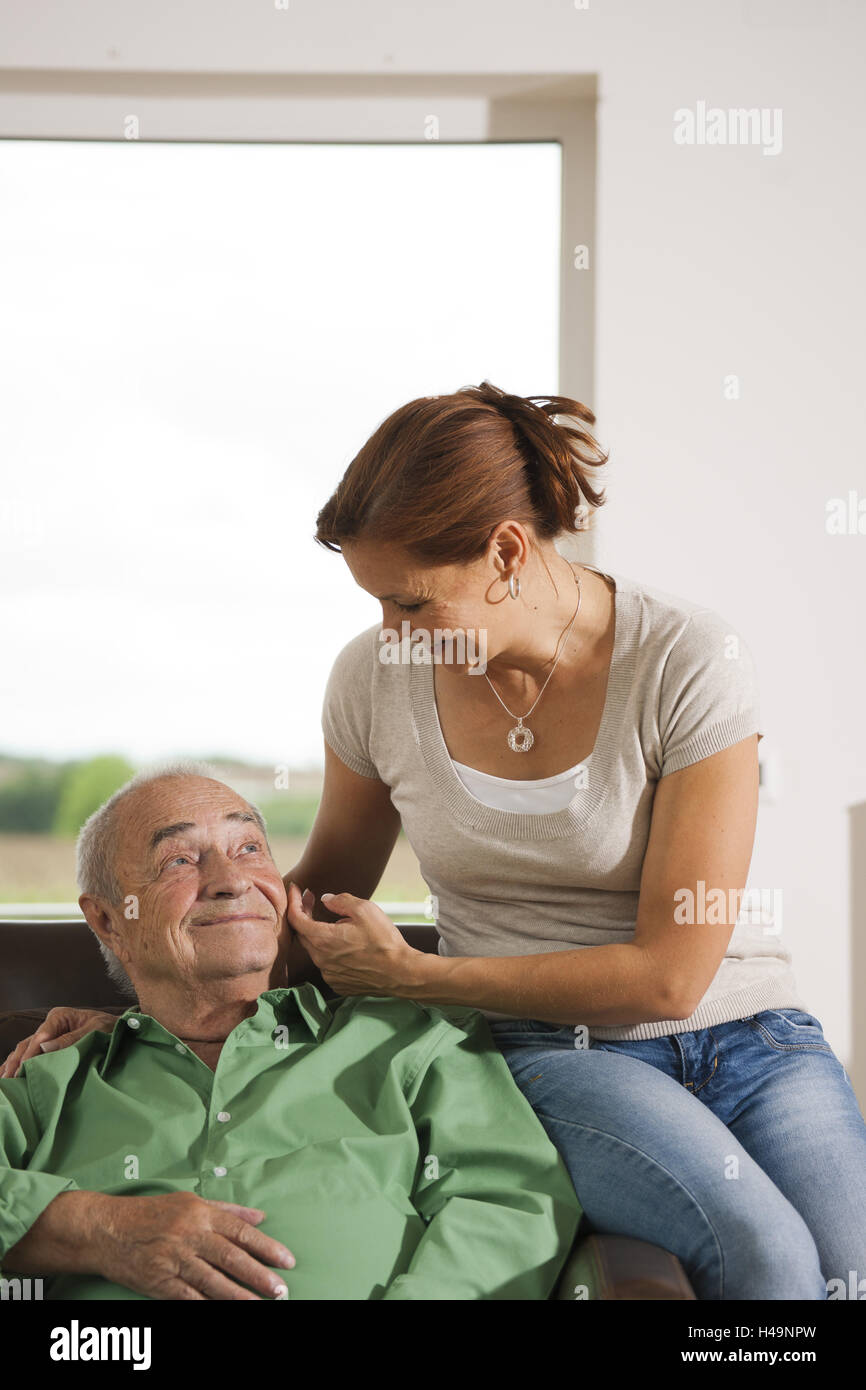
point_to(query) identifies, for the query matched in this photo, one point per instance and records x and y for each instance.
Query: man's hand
(184, 1247)
(62, 1028)
(361, 953)
(179, 1246)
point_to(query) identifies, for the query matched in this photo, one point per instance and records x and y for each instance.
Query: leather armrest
(620, 1268)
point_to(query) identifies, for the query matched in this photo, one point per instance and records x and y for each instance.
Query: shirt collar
(301, 1001)
(275, 1007)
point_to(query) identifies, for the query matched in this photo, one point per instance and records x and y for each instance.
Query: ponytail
(557, 456)
(439, 474)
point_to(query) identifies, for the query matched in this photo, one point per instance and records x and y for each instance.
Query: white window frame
(345, 109)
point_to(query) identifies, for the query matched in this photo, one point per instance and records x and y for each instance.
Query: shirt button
(133, 1023)
(220, 1172)
(179, 1047)
(223, 1116)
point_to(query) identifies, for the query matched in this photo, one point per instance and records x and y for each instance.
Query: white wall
(710, 261)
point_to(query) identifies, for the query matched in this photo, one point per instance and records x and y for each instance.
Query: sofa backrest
(46, 963)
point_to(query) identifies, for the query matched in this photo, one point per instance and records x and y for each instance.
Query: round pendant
(520, 739)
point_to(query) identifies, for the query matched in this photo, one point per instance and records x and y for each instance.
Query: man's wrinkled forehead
(174, 808)
(179, 828)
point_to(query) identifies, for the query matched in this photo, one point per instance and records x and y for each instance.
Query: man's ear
(98, 915)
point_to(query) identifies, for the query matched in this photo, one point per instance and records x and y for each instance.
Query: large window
(195, 340)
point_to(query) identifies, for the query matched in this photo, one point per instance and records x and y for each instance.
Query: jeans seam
(556, 1119)
(706, 1078)
(779, 1014)
(789, 1047)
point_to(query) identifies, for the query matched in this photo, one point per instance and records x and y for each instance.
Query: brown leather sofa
(48, 963)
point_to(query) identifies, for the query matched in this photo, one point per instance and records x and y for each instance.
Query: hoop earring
(514, 585)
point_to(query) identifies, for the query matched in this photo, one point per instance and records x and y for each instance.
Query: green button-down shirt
(387, 1143)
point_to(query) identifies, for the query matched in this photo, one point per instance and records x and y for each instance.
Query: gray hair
(96, 848)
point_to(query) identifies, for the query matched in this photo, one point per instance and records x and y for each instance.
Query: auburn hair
(440, 473)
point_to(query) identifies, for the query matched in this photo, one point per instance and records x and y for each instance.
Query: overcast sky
(195, 340)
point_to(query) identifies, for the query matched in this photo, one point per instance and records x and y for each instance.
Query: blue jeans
(740, 1148)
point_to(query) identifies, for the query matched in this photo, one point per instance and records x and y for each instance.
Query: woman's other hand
(62, 1028)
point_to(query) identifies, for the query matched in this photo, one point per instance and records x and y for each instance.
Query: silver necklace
(520, 738)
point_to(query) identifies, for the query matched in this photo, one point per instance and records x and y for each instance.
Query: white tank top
(534, 798)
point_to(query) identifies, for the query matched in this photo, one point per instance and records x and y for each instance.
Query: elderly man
(235, 1139)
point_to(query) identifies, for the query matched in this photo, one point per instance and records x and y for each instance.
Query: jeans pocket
(790, 1030)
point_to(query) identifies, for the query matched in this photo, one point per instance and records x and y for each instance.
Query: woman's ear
(509, 548)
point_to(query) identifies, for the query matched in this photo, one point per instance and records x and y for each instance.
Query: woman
(582, 801)
(563, 862)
